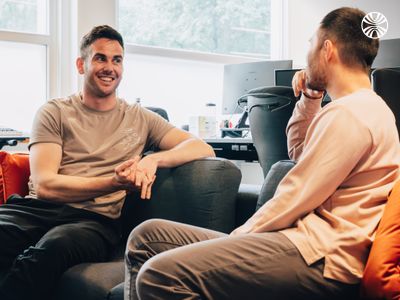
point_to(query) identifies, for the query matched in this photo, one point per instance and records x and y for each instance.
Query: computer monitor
(284, 77)
(240, 78)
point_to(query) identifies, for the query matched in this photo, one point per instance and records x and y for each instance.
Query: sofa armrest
(201, 193)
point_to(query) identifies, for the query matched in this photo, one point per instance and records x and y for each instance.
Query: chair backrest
(158, 110)
(269, 111)
(386, 83)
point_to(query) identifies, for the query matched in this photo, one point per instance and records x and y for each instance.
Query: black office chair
(163, 113)
(158, 110)
(269, 110)
(386, 83)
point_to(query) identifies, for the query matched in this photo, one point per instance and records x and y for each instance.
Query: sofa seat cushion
(381, 279)
(90, 280)
(14, 174)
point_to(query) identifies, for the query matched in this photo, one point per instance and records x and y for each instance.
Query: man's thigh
(22, 223)
(153, 237)
(82, 241)
(158, 235)
(39, 267)
(252, 266)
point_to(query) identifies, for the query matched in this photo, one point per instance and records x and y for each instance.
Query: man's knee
(154, 277)
(144, 232)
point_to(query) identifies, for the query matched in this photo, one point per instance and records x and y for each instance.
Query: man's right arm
(45, 161)
(303, 114)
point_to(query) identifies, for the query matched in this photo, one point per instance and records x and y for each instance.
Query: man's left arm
(336, 143)
(176, 148)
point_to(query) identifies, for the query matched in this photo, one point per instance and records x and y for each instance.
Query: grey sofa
(202, 193)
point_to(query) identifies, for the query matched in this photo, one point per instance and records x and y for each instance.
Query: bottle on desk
(205, 125)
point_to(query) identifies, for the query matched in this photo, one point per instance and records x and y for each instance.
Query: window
(234, 27)
(175, 49)
(24, 83)
(24, 16)
(27, 48)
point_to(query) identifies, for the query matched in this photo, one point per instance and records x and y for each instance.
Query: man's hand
(299, 86)
(125, 173)
(145, 175)
(137, 175)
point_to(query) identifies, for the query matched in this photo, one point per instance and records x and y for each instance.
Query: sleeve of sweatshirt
(303, 114)
(335, 142)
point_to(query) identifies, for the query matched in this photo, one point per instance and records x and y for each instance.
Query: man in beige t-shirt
(311, 240)
(86, 153)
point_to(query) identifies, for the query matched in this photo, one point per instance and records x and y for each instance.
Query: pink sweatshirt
(330, 203)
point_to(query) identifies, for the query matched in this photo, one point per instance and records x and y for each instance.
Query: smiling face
(102, 68)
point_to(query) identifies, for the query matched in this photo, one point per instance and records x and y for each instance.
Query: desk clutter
(10, 137)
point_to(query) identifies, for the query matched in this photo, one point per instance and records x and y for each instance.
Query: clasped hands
(137, 174)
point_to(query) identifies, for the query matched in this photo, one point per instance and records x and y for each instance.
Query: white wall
(95, 12)
(305, 15)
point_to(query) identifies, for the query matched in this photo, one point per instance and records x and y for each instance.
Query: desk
(234, 148)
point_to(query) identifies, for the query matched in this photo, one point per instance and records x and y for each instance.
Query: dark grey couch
(201, 193)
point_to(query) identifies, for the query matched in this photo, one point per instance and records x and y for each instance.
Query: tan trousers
(169, 260)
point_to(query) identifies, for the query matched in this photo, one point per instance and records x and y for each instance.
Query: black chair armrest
(272, 180)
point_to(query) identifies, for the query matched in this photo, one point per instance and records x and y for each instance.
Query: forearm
(64, 188)
(303, 114)
(189, 150)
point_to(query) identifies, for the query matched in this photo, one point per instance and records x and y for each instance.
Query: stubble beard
(316, 79)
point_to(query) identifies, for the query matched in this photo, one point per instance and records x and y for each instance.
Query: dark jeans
(40, 240)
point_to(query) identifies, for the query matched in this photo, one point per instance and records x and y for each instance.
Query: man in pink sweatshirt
(311, 240)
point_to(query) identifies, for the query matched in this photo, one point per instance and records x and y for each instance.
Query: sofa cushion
(271, 181)
(14, 174)
(90, 280)
(381, 279)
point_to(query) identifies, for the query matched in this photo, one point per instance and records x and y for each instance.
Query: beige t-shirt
(330, 203)
(95, 142)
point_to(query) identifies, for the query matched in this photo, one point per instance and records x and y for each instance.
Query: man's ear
(80, 65)
(329, 50)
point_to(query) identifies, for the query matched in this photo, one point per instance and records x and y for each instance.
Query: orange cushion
(381, 279)
(14, 174)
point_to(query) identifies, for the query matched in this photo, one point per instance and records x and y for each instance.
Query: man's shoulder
(60, 102)
(131, 108)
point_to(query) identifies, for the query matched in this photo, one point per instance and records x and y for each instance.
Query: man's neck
(346, 81)
(97, 103)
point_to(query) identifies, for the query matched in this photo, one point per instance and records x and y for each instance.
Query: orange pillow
(14, 174)
(381, 279)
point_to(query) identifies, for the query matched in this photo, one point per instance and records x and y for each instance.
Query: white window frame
(279, 42)
(50, 41)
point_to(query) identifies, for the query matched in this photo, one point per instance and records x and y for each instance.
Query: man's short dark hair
(343, 26)
(98, 32)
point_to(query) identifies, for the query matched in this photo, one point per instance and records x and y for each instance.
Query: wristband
(310, 97)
